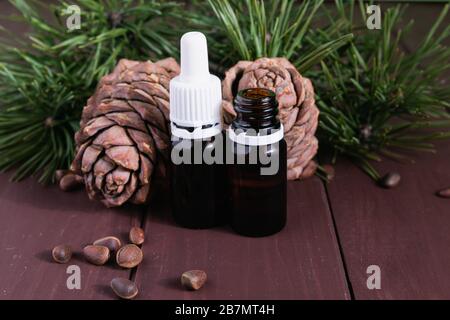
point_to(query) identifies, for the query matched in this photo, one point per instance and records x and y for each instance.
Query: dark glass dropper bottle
(258, 197)
(197, 186)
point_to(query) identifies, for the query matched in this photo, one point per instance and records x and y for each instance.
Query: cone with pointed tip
(297, 107)
(124, 132)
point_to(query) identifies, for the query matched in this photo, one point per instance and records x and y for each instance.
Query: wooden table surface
(334, 232)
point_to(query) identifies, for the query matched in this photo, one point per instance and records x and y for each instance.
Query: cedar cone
(124, 132)
(297, 108)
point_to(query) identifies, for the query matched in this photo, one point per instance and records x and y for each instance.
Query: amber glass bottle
(257, 188)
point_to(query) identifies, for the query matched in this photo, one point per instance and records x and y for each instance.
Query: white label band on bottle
(197, 133)
(259, 140)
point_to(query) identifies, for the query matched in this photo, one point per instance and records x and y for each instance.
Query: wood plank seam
(341, 250)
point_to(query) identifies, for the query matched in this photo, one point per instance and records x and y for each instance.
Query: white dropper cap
(195, 95)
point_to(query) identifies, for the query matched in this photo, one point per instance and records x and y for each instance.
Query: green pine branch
(271, 28)
(46, 79)
(375, 98)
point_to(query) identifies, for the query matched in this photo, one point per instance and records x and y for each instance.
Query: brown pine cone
(124, 132)
(297, 108)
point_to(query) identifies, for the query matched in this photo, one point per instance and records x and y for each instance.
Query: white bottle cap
(195, 95)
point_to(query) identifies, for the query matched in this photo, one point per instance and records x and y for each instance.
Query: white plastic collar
(197, 133)
(259, 140)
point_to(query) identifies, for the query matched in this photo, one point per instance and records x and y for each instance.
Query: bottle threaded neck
(256, 108)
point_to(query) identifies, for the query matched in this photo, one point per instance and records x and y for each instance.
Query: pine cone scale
(108, 106)
(103, 167)
(89, 157)
(146, 169)
(125, 156)
(127, 119)
(92, 127)
(155, 91)
(161, 139)
(114, 135)
(153, 114)
(144, 143)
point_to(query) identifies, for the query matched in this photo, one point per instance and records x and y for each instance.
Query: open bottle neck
(256, 109)
(257, 121)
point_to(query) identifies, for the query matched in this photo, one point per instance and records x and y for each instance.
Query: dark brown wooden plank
(405, 231)
(301, 262)
(33, 219)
